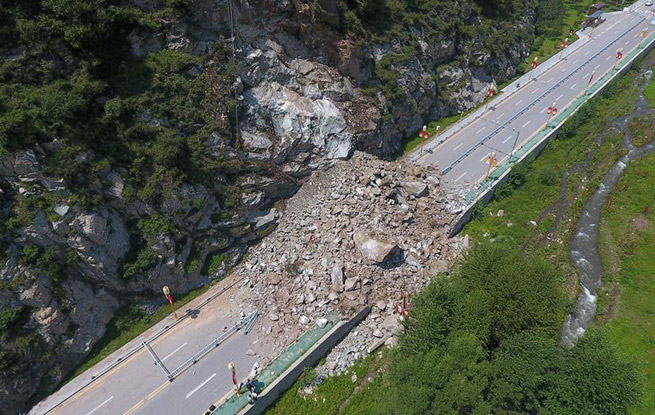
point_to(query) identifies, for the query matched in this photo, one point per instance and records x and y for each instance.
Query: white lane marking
(526, 124)
(174, 351)
(543, 110)
(585, 77)
(636, 35)
(487, 155)
(586, 53)
(463, 174)
(200, 386)
(535, 91)
(549, 80)
(557, 99)
(480, 130)
(608, 58)
(458, 146)
(575, 61)
(573, 86)
(507, 139)
(596, 67)
(500, 116)
(98, 407)
(517, 104)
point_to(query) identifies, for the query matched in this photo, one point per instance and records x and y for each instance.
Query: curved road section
(512, 118)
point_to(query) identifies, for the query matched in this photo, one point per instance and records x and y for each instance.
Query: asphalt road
(524, 112)
(139, 387)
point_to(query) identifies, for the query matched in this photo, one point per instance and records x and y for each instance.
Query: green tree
(522, 290)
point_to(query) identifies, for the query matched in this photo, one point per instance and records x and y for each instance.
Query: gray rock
(322, 322)
(416, 189)
(337, 277)
(62, 210)
(374, 249)
(351, 283)
(263, 219)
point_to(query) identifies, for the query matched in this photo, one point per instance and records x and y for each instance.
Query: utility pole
(589, 83)
(514, 146)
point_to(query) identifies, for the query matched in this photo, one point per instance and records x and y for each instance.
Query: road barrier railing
(540, 98)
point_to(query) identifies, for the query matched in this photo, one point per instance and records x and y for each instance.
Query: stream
(583, 247)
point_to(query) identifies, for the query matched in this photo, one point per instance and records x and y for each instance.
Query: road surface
(139, 387)
(515, 118)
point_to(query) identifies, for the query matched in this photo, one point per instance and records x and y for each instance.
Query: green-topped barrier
(270, 373)
(527, 147)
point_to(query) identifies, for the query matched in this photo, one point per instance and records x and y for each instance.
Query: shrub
(548, 176)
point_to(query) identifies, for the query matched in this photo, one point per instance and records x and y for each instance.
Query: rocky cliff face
(310, 93)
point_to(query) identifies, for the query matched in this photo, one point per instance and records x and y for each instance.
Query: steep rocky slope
(146, 143)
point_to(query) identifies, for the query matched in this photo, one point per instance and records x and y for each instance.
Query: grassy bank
(628, 248)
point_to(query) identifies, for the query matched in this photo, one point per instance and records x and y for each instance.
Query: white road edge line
(526, 124)
(188, 395)
(98, 407)
(462, 175)
(174, 351)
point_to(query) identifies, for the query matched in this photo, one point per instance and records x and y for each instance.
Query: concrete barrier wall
(310, 358)
(486, 196)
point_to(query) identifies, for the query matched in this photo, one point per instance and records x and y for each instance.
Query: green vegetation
(484, 341)
(73, 78)
(627, 247)
(649, 92)
(329, 395)
(643, 129)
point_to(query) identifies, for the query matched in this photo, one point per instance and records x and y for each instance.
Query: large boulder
(374, 249)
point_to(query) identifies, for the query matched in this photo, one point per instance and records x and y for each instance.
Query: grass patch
(649, 92)
(643, 129)
(628, 231)
(128, 323)
(327, 397)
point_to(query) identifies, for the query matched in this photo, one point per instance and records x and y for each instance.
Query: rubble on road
(365, 232)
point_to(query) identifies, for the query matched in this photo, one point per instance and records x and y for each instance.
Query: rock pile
(366, 232)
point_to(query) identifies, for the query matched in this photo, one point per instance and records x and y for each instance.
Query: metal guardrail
(210, 346)
(534, 102)
(137, 349)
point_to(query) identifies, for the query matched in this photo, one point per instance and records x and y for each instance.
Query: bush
(548, 176)
(516, 177)
(484, 341)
